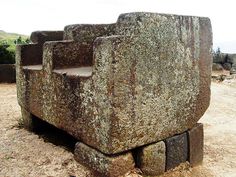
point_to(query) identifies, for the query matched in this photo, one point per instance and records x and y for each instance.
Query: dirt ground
(26, 154)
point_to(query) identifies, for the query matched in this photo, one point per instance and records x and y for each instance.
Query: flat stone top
(77, 71)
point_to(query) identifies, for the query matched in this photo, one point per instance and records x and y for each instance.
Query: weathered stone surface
(227, 66)
(27, 119)
(31, 122)
(151, 72)
(233, 69)
(30, 54)
(195, 138)
(176, 150)
(89, 32)
(7, 73)
(230, 58)
(217, 67)
(151, 159)
(120, 86)
(103, 165)
(42, 36)
(228, 61)
(219, 58)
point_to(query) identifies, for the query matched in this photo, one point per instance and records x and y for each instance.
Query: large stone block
(151, 159)
(101, 164)
(196, 141)
(120, 86)
(176, 150)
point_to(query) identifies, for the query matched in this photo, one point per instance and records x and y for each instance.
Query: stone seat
(78, 71)
(33, 67)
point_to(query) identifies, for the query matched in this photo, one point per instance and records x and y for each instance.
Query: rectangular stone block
(151, 159)
(104, 165)
(176, 150)
(196, 141)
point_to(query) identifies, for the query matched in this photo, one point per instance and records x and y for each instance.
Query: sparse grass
(20, 123)
(9, 38)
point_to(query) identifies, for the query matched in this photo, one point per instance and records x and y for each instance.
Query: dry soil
(27, 154)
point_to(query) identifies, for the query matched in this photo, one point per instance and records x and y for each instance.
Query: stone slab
(196, 141)
(176, 150)
(101, 164)
(151, 159)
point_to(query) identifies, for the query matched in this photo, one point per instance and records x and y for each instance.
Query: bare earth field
(26, 154)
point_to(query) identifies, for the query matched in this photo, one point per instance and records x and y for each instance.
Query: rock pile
(224, 61)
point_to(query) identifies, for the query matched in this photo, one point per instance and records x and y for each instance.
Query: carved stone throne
(131, 92)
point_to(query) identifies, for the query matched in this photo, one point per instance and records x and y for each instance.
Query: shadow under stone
(52, 134)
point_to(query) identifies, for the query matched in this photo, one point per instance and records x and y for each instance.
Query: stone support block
(196, 141)
(176, 150)
(151, 159)
(101, 164)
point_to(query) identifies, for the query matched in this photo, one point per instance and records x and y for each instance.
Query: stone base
(159, 157)
(176, 150)
(104, 165)
(195, 142)
(153, 159)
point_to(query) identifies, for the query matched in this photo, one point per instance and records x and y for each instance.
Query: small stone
(101, 164)
(217, 67)
(233, 69)
(195, 136)
(227, 66)
(176, 150)
(151, 159)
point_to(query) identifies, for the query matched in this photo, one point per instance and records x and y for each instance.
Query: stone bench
(120, 87)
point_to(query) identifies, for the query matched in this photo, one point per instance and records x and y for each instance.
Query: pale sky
(25, 16)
